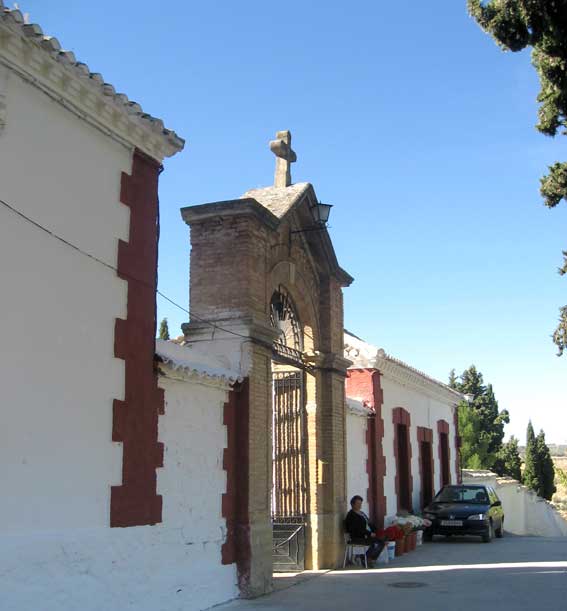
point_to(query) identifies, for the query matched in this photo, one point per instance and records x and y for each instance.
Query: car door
(495, 508)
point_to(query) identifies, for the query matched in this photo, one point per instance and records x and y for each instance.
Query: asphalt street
(513, 573)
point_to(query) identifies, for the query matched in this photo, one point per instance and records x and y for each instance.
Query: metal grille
(289, 498)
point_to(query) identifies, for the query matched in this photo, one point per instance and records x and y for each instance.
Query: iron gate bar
(289, 494)
(290, 468)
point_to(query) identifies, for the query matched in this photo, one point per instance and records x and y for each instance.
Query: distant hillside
(554, 449)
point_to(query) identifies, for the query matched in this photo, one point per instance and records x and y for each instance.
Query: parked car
(465, 510)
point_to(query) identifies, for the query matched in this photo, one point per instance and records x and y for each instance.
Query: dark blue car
(465, 510)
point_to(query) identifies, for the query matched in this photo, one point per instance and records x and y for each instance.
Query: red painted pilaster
(443, 427)
(236, 499)
(402, 416)
(364, 385)
(135, 420)
(457, 445)
(425, 435)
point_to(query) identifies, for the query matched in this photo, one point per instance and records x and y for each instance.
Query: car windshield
(462, 494)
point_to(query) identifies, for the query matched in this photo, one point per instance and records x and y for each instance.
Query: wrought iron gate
(290, 482)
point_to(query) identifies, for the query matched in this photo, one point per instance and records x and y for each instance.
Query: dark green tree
(541, 25)
(453, 380)
(474, 449)
(547, 471)
(491, 420)
(508, 460)
(532, 470)
(163, 329)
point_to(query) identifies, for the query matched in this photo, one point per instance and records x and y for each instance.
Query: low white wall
(357, 455)
(192, 483)
(525, 513)
(173, 565)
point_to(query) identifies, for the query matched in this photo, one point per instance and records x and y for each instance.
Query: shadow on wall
(525, 512)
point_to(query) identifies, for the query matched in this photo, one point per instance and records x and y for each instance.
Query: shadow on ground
(513, 573)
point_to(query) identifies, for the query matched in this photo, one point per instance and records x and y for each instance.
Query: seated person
(361, 530)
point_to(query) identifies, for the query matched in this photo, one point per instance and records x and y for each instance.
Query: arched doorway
(290, 472)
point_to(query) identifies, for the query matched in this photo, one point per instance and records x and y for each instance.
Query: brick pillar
(260, 473)
(236, 248)
(331, 502)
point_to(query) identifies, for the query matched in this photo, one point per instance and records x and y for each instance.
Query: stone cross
(285, 156)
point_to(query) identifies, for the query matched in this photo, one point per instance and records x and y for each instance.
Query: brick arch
(443, 429)
(286, 274)
(401, 416)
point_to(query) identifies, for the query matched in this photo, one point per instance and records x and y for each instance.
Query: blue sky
(405, 117)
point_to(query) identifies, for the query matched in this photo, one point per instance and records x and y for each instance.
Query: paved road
(513, 573)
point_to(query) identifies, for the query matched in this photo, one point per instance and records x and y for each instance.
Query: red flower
(394, 533)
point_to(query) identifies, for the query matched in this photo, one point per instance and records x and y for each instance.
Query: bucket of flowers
(395, 534)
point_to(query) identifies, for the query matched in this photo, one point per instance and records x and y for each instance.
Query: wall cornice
(169, 371)
(39, 61)
(411, 378)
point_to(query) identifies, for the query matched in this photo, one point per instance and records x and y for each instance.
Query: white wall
(525, 513)
(59, 378)
(173, 565)
(57, 367)
(357, 455)
(425, 411)
(192, 483)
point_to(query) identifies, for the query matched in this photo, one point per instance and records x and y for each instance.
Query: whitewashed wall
(57, 366)
(192, 483)
(357, 455)
(425, 411)
(173, 565)
(59, 378)
(525, 513)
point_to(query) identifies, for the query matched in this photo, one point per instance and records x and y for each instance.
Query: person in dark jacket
(361, 530)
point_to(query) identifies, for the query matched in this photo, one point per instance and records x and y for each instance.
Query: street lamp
(320, 214)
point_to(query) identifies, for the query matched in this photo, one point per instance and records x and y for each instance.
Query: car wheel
(500, 531)
(487, 537)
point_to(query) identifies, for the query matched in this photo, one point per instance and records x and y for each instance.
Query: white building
(402, 439)
(116, 470)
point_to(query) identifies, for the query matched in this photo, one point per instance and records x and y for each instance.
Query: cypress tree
(547, 472)
(163, 329)
(531, 469)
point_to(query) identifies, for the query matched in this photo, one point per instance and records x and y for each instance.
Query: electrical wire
(120, 273)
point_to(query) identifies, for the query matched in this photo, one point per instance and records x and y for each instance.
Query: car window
(493, 496)
(462, 494)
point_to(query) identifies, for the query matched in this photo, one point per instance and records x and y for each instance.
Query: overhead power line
(115, 270)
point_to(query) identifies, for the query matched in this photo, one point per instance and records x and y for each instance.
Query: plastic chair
(354, 549)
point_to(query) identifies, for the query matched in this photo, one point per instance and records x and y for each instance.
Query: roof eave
(40, 60)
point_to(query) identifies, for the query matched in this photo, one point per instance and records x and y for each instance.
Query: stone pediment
(274, 206)
(285, 207)
(281, 200)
